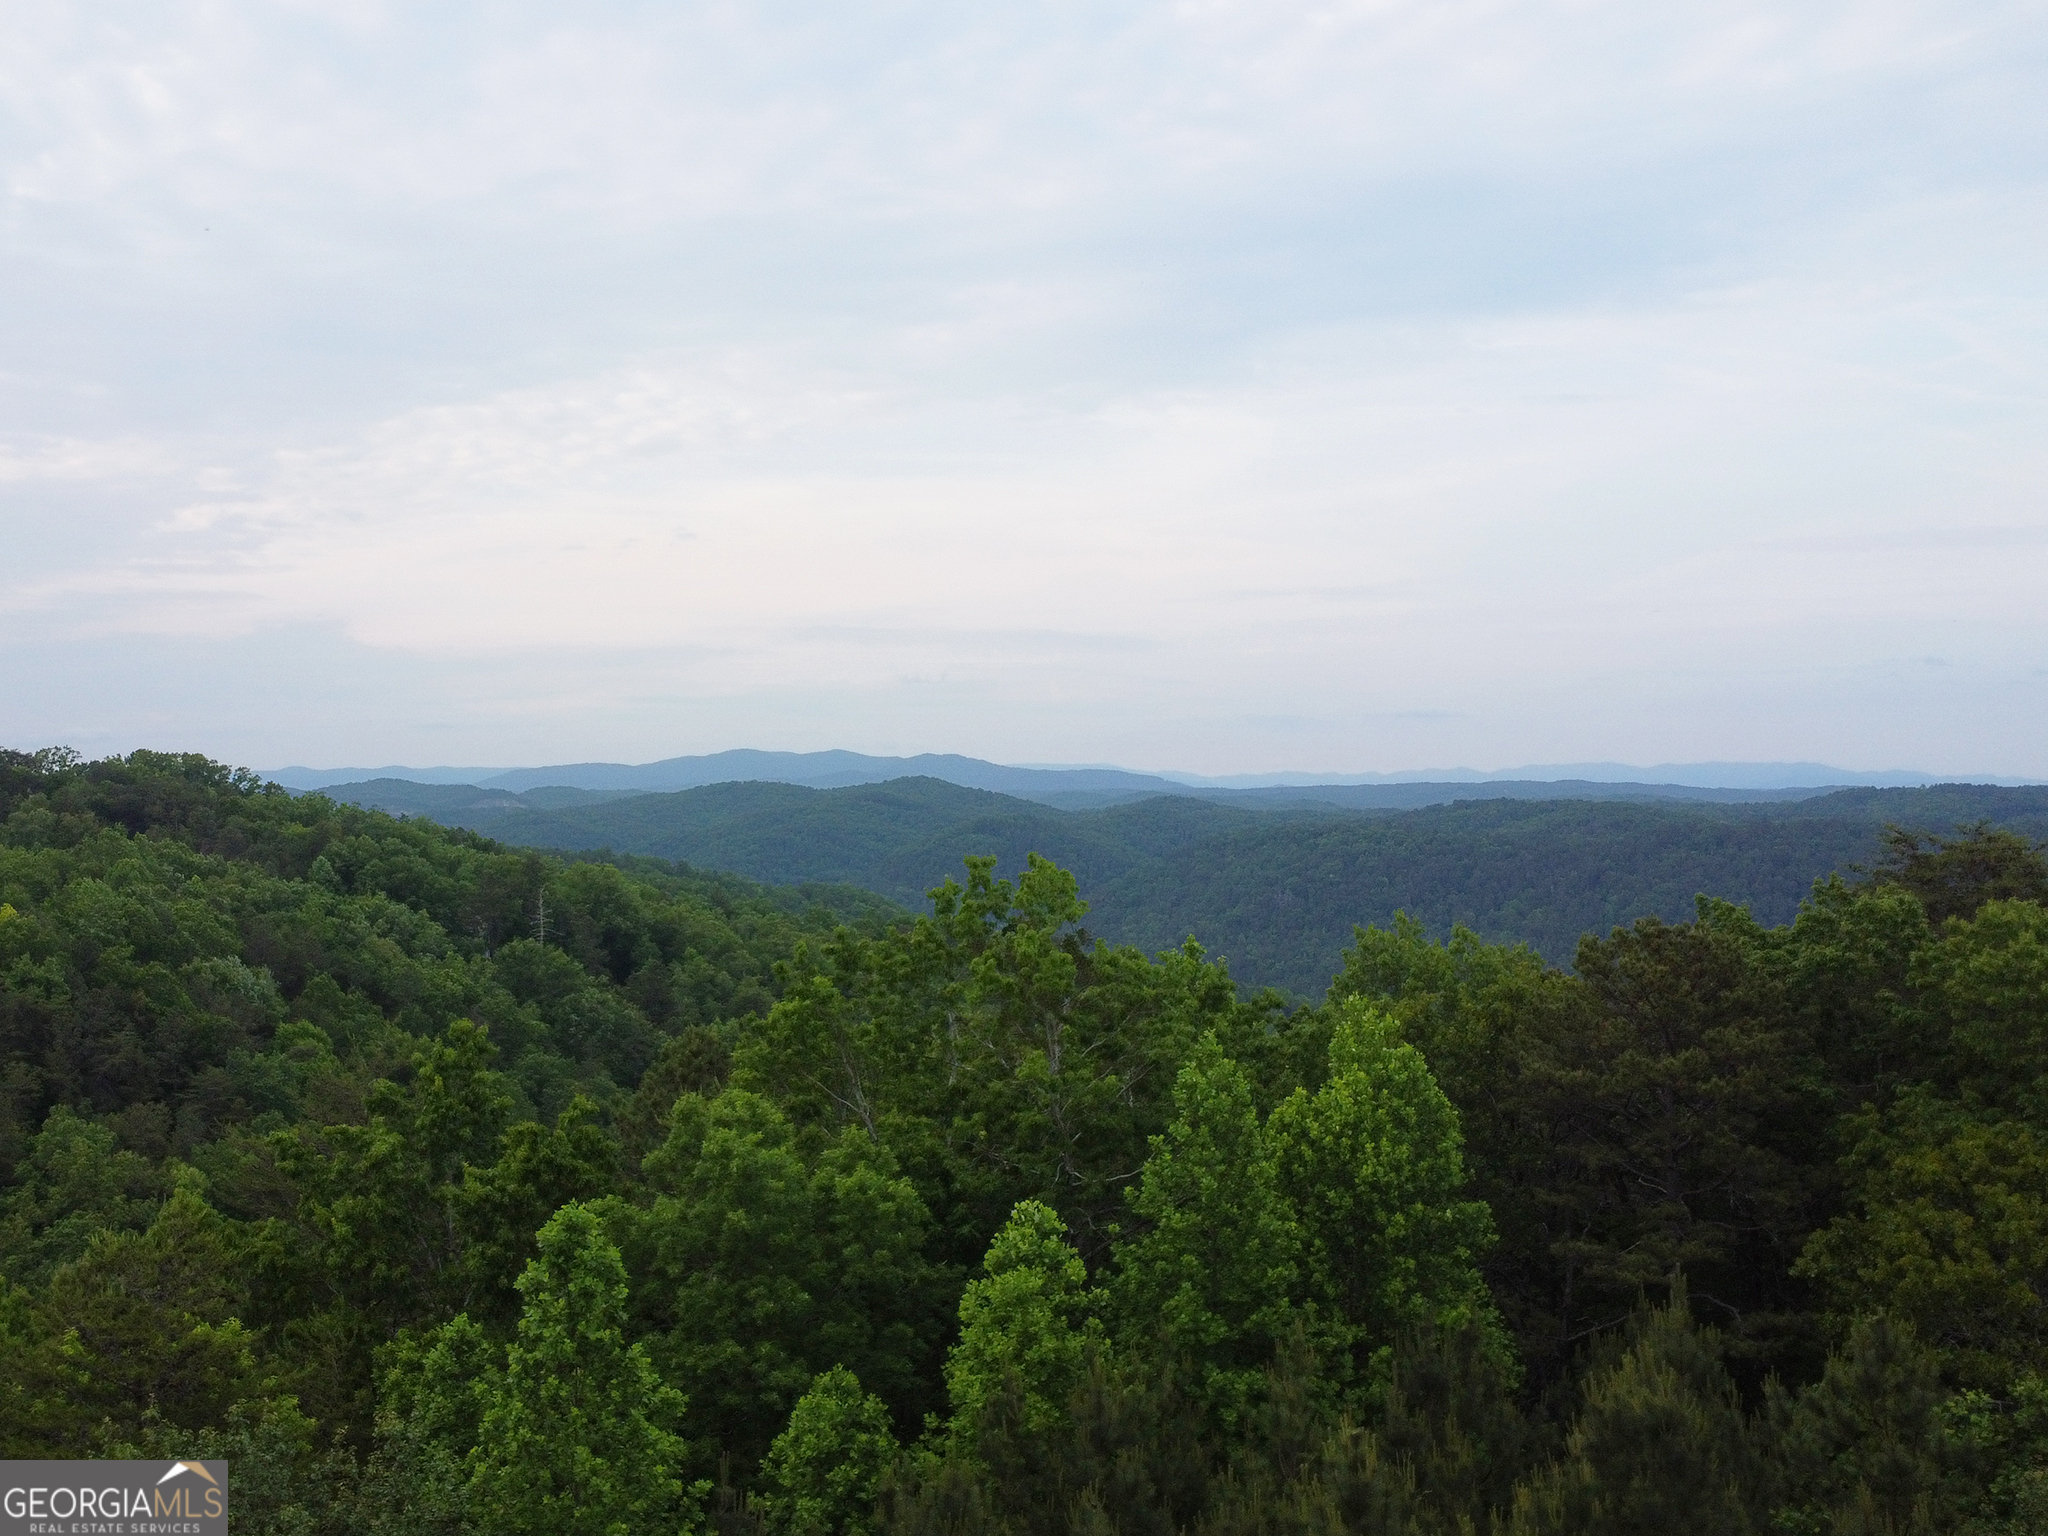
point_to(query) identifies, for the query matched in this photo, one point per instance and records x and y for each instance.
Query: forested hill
(190, 952)
(1277, 891)
(1280, 897)
(447, 1189)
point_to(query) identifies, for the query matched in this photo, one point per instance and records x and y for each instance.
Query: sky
(1225, 387)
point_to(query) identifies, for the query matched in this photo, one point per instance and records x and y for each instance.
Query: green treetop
(1025, 1324)
(1212, 1273)
(1372, 1165)
(578, 1439)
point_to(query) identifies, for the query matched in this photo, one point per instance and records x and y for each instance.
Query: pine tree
(1449, 1410)
(1862, 1449)
(1660, 1443)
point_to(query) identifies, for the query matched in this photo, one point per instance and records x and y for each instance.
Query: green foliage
(2007, 1435)
(1864, 1448)
(1371, 1165)
(580, 1437)
(73, 1185)
(1213, 1272)
(1127, 1452)
(1449, 1412)
(1947, 1229)
(433, 1392)
(824, 1472)
(996, 1051)
(1652, 1113)
(1688, 1130)
(314, 1006)
(1954, 876)
(169, 922)
(1845, 967)
(42, 1375)
(155, 1319)
(500, 1208)
(281, 1483)
(760, 1266)
(383, 1198)
(1025, 1325)
(1659, 1444)
(1982, 991)
(451, 1189)
(695, 1061)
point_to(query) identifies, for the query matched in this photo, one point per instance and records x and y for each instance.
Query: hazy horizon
(1711, 775)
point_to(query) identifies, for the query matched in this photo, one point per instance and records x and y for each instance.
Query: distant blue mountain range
(1687, 775)
(1104, 785)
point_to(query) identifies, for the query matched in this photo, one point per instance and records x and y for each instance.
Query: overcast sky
(1216, 386)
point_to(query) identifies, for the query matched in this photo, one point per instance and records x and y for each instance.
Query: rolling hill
(1076, 788)
(1275, 889)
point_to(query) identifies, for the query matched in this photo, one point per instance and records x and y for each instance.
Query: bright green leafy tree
(1371, 1166)
(580, 1437)
(1213, 1270)
(1025, 1324)
(823, 1472)
(1947, 1230)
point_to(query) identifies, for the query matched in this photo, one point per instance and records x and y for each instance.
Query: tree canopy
(447, 1187)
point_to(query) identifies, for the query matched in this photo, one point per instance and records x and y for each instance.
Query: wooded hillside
(442, 1187)
(1278, 889)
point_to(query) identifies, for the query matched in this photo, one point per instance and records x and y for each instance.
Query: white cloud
(1137, 373)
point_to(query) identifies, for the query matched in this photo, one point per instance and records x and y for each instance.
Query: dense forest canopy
(447, 1187)
(1273, 885)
